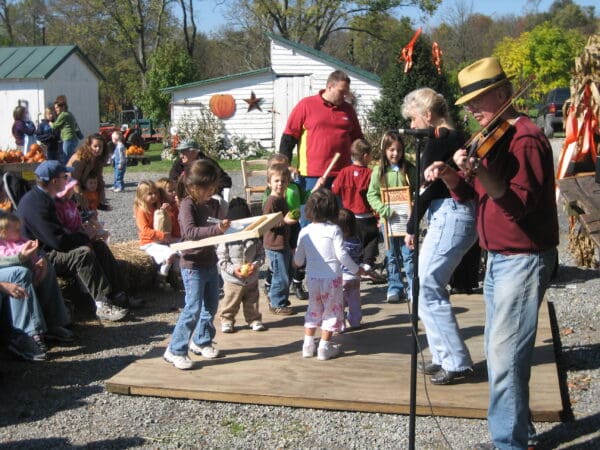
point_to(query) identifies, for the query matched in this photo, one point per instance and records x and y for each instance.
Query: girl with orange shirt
(153, 241)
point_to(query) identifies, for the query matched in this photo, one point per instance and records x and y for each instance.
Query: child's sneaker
(164, 269)
(308, 350)
(227, 327)
(328, 352)
(206, 351)
(257, 325)
(181, 362)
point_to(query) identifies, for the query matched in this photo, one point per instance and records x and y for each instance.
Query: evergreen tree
(387, 111)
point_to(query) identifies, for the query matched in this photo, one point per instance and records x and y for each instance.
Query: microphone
(431, 132)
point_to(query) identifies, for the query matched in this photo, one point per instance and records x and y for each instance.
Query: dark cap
(48, 170)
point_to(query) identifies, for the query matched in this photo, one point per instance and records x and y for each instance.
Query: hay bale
(138, 267)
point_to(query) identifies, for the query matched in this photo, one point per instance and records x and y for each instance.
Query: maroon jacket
(524, 219)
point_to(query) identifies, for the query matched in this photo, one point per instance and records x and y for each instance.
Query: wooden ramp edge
(266, 368)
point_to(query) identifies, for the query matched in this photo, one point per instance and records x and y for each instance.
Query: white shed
(35, 76)
(296, 71)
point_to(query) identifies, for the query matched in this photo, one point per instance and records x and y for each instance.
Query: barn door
(288, 90)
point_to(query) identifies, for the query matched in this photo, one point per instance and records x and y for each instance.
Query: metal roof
(234, 76)
(37, 62)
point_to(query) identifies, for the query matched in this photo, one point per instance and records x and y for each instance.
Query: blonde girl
(393, 171)
(152, 241)
(167, 190)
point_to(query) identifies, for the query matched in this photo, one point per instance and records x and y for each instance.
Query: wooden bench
(582, 196)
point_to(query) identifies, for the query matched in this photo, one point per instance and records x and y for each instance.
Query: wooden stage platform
(373, 375)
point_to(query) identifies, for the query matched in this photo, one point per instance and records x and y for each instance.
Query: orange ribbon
(436, 56)
(407, 51)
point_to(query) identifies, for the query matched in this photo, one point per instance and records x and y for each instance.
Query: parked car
(550, 112)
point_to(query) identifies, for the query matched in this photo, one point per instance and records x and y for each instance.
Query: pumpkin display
(134, 150)
(35, 154)
(222, 105)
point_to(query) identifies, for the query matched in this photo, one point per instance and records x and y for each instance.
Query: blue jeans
(307, 184)
(513, 290)
(25, 314)
(450, 234)
(399, 255)
(279, 262)
(120, 177)
(68, 148)
(201, 304)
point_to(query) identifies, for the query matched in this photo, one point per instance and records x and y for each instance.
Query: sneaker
(118, 190)
(181, 362)
(227, 327)
(299, 291)
(257, 326)
(308, 350)
(112, 313)
(26, 348)
(325, 353)
(281, 310)
(444, 376)
(428, 367)
(164, 269)
(206, 351)
(59, 334)
(393, 298)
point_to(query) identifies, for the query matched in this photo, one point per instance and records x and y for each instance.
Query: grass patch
(159, 165)
(233, 426)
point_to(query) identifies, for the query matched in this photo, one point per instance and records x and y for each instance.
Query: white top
(321, 246)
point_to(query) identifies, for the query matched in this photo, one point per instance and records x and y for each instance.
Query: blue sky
(211, 15)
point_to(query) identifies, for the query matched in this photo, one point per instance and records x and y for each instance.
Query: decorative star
(253, 102)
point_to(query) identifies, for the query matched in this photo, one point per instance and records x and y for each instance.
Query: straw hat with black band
(480, 77)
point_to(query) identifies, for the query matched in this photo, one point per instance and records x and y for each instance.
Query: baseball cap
(187, 144)
(48, 170)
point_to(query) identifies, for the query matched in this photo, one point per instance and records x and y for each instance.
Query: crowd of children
(336, 248)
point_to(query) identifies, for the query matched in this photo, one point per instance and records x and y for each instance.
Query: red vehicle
(136, 131)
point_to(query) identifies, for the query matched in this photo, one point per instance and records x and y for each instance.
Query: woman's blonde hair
(143, 188)
(424, 100)
(7, 218)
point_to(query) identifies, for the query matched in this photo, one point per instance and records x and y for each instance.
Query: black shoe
(300, 292)
(444, 376)
(428, 368)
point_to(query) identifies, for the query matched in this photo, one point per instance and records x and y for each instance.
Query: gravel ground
(62, 403)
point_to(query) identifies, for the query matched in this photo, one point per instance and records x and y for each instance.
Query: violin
(485, 140)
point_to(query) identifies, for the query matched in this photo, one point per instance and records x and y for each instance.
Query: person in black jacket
(47, 136)
(189, 151)
(72, 254)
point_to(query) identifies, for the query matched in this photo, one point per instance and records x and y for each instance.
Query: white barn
(35, 76)
(296, 71)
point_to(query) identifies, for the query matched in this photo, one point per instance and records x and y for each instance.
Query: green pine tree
(396, 84)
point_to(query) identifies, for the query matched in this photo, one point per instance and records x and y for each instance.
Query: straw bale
(138, 267)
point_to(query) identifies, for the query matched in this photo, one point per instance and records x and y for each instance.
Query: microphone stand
(415, 304)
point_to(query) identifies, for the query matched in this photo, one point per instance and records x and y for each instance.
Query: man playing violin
(513, 185)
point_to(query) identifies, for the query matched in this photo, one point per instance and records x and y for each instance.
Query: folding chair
(254, 175)
(15, 187)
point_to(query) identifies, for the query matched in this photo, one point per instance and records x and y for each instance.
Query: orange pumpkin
(222, 105)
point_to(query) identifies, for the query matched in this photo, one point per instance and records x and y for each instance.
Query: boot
(299, 291)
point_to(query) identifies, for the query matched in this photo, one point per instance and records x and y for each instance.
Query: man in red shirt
(513, 185)
(321, 126)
